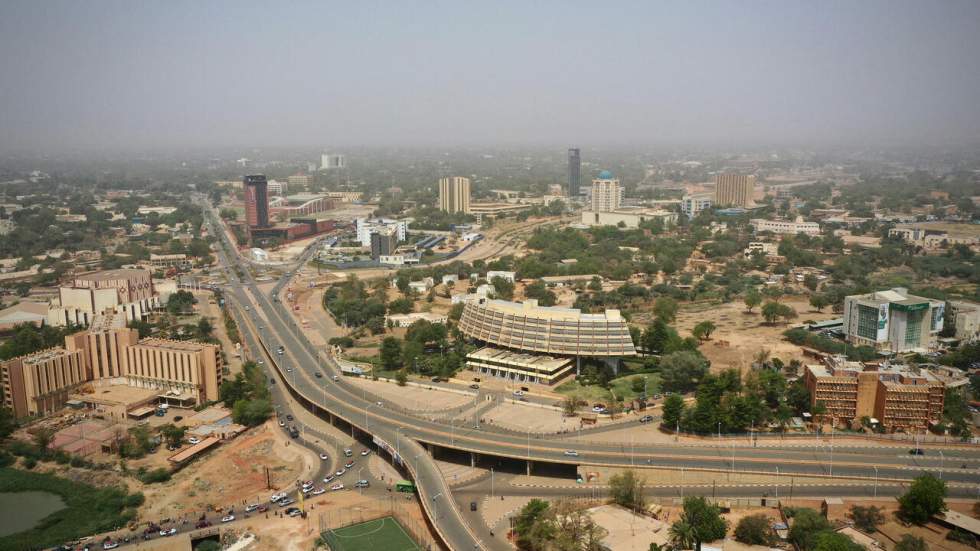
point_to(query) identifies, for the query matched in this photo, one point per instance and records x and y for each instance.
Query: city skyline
(112, 76)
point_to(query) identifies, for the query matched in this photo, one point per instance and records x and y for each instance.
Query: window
(867, 322)
(913, 329)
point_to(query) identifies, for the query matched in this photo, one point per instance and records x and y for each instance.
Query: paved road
(404, 431)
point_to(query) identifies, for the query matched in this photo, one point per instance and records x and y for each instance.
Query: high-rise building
(191, 369)
(734, 190)
(103, 346)
(454, 194)
(39, 384)
(384, 242)
(574, 172)
(893, 320)
(330, 161)
(607, 194)
(256, 201)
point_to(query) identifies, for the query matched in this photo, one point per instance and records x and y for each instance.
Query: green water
(22, 510)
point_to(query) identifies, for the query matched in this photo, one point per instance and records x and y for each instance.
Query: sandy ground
(412, 397)
(213, 313)
(740, 335)
(629, 531)
(529, 418)
(233, 474)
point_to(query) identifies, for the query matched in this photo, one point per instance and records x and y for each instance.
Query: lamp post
(876, 480)
(942, 463)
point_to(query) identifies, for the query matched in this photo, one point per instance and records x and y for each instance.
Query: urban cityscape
(392, 277)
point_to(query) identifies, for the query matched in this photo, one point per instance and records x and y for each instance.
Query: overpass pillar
(530, 465)
(472, 459)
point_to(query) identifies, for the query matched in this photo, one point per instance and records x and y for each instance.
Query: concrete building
(759, 247)
(301, 204)
(785, 226)
(966, 316)
(300, 181)
(103, 346)
(178, 260)
(607, 194)
(256, 201)
(454, 194)
(366, 226)
(530, 328)
(384, 242)
(332, 161)
(188, 372)
(734, 190)
(530, 368)
(277, 188)
(630, 217)
(39, 384)
(506, 276)
(123, 291)
(897, 397)
(893, 321)
(406, 320)
(574, 172)
(693, 204)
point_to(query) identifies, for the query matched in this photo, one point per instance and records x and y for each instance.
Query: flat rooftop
(530, 308)
(117, 394)
(106, 275)
(184, 346)
(544, 363)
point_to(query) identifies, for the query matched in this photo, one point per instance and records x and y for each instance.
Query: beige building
(39, 384)
(734, 190)
(124, 291)
(189, 371)
(103, 346)
(629, 217)
(893, 320)
(299, 181)
(454, 194)
(607, 193)
(785, 227)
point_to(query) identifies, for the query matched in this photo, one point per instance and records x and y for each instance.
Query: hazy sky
(142, 74)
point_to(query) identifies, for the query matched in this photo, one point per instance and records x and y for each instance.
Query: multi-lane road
(407, 433)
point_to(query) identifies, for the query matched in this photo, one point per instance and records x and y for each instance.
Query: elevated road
(406, 434)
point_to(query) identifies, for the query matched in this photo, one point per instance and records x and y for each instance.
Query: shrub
(30, 463)
(155, 476)
(755, 530)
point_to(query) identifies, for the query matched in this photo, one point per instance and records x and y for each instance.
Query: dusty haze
(121, 75)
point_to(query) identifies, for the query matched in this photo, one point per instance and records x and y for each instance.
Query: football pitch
(374, 535)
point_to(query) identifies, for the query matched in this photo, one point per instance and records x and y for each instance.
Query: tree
(673, 410)
(925, 498)
(173, 434)
(819, 302)
(811, 282)
(772, 311)
(868, 518)
(703, 330)
(626, 490)
(401, 377)
(681, 371)
(704, 519)
(42, 437)
(502, 288)
(391, 352)
(752, 299)
(573, 529)
(682, 535)
(204, 328)
(807, 523)
(665, 308)
(755, 530)
(656, 336)
(7, 423)
(526, 519)
(911, 543)
(251, 413)
(829, 540)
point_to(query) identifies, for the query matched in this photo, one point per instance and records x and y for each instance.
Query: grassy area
(623, 386)
(591, 393)
(382, 533)
(620, 386)
(88, 510)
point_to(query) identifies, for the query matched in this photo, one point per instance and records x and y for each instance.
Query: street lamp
(876, 480)
(719, 430)
(942, 462)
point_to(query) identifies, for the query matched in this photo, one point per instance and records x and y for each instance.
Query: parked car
(109, 544)
(324, 456)
(475, 386)
(365, 452)
(571, 453)
(251, 507)
(340, 472)
(293, 512)
(472, 506)
(917, 451)
(318, 375)
(349, 464)
(289, 417)
(287, 501)
(518, 393)
(194, 440)
(319, 491)
(348, 452)
(362, 484)
(336, 487)
(327, 479)
(282, 423)
(167, 532)
(646, 418)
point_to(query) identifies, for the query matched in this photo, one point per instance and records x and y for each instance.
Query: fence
(400, 507)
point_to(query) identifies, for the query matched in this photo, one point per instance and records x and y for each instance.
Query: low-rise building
(897, 397)
(966, 316)
(630, 217)
(188, 372)
(785, 226)
(519, 367)
(406, 320)
(507, 276)
(127, 292)
(760, 247)
(692, 205)
(893, 320)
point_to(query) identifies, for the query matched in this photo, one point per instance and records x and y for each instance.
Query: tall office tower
(256, 201)
(330, 161)
(574, 172)
(384, 242)
(607, 194)
(734, 190)
(454, 194)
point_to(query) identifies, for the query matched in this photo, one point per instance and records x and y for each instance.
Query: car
(336, 487)
(262, 508)
(327, 479)
(598, 408)
(365, 452)
(335, 378)
(289, 417)
(319, 491)
(436, 380)
(109, 544)
(324, 456)
(277, 497)
(646, 418)
(282, 423)
(571, 453)
(340, 472)
(307, 489)
(167, 532)
(194, 440)
(287, 501)
(293, 512)
(472, 506)
(917, 451)
(362, 484)
(656, 396)
(318, 375)
(252, 507)
(348, 452)
(227, 518)
(518, 393)
(203, 523)
(349, 464)
(475, 386)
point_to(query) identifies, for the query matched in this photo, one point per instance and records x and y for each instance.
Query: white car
(340, 472)
(277, 497)
(252, 507)
(571, 453)
(336, 487)
(365, 452)
(194, 440)
(167, 532)
(227, 518)
(282, 423)
(319, 491)
(327, 479)
(518, 393)
(109, 545)
(324, 456)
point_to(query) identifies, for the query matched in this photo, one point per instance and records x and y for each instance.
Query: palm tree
(682, 534)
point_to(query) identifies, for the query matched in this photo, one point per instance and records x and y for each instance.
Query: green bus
(405, 486)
